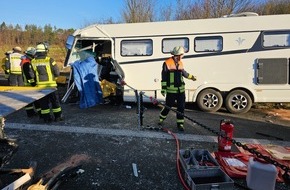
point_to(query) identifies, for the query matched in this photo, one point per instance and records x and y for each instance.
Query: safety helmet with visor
(30, 51)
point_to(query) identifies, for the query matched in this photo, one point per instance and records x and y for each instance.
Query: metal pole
(141, 108)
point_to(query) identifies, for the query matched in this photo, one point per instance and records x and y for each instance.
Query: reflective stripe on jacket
(174, 78)
(14, 66)
(43, 71)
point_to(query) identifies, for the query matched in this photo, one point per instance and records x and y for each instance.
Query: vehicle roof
(195, 26)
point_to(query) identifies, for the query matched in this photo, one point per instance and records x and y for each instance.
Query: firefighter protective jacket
(46, 71)
(13, 63)
(172, 76)
(27, 71)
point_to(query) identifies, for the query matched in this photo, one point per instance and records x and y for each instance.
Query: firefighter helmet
(17, 49)
(178, 50)
(30, 51)
(42, 47)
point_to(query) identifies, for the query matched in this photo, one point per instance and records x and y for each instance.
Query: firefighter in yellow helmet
(46, 71)
(173, 86)
(13, 67)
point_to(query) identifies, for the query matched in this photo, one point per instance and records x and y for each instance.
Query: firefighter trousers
(52, 100)
(33, 109)
(171, 99)
(16, 80)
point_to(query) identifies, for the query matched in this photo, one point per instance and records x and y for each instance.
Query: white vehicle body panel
(234, 67)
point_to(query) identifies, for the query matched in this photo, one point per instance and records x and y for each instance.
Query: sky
(63, 14)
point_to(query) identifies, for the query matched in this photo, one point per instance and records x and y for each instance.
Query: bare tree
(138, 11)
(274, 7)
(165, 13)
(213, 8)
(184, 9)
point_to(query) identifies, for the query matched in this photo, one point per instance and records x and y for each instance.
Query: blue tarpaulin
(87, 81)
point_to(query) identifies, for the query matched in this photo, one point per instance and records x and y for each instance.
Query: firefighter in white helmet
(173, 87)
(46, 71)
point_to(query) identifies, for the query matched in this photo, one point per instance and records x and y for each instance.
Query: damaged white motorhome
(238, 60)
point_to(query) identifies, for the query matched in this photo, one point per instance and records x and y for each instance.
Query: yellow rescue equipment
(108, 88)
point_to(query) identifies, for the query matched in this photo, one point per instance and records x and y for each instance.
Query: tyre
(209, 100)
(238, 101)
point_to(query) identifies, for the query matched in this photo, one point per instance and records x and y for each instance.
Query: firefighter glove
(30, 81)
(163, 92)
(193, 78)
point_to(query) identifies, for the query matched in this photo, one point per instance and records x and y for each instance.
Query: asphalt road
(110, 145)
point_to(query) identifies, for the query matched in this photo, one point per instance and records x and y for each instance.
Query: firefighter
(4, 60)
(13, 67)
(46, 71)
(29, 80)
(173, 86)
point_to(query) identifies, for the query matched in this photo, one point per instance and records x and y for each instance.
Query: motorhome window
(276, 39)
(136, 47)
(169, 43)
(208, 44)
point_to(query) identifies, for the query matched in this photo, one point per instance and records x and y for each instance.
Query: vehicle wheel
(238, 101)
(209, 100)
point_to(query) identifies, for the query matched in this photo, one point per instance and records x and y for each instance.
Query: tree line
(31, 34)
(145, 11)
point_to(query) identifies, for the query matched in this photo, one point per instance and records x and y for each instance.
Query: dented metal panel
(16, 98)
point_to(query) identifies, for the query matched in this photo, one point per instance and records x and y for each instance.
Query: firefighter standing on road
(3, 66)
(173, 86)
(13, 67)
(29, 80)
(46, 71)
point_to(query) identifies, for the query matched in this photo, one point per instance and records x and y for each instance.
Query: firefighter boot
(47, 118)
(180, 127)
(30, 113)
(58, 117)
(160, 122)
(39, 114)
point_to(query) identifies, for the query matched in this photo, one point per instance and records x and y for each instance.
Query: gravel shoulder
(106, 140)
